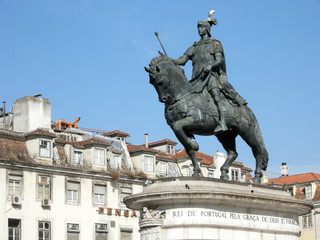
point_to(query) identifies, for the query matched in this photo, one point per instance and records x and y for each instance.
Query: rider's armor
(202, 54)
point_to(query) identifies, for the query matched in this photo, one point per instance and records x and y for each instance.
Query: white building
(304, 186)
(62, 184)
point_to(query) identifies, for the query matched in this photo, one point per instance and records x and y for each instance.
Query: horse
(189, 112)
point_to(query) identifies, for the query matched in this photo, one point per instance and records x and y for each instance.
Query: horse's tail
(265, 155)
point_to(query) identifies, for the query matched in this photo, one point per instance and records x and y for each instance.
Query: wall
(86, 213)
(31, 113)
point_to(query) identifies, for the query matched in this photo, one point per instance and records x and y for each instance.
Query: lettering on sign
(232, 216)
(117, 212)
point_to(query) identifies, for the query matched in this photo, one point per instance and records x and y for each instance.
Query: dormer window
(148, 163)
(45, 148)
(170, 149)
(115, 161)
(308, 192)
(77, 158)
(162, 168)
(235, 174)
(99, 156)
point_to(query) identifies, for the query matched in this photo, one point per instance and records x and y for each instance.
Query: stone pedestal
(188, 208)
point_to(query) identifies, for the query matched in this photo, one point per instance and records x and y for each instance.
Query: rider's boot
(222, 125)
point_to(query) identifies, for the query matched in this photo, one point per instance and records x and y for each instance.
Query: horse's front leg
(178, 128)
(228, 141)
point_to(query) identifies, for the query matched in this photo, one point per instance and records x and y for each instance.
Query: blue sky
(88, 58)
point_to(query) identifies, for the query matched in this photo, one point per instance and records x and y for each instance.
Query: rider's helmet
(208, 22)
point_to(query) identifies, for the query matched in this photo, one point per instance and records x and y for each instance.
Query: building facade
(304, 186)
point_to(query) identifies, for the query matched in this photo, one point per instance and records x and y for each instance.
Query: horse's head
(167, 78)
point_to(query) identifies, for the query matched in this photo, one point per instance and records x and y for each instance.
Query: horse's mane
(157, 60)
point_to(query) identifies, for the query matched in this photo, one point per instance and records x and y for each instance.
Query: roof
(90, 141)
(299, 178)
(14, 151)
(138, 148)
(162, 142)
(165, 156)
(116, 133)
(41, 132)
(206, 159)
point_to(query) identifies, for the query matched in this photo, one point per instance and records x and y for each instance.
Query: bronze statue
(207, 104)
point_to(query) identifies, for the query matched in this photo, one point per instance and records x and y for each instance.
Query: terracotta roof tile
(14, 151)
(299, 178)
(204, 157)
(246, 169)
(165, 156)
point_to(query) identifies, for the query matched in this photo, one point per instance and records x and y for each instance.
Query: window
(101, 231)
(148, 164)
(115, 162)
(73, 189)
(124, 191)
(44, 190)
(235, 175)
(308, 192)
(99, 194)
(126, 233)
(170, 149)
(173, 170)
(98, 156)
(77, 158)
(45, 147)
(307, 221)
(44, 230)
(14, 229)
(15, 185)
(162, 168)
(210, 173)
(73, 231)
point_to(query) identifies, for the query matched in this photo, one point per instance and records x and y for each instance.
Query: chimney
(284, 169)
(146, 138)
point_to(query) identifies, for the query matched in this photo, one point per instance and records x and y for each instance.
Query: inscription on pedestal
(229, 216)
(150, 234)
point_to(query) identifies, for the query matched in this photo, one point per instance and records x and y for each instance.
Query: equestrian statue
(207, 104)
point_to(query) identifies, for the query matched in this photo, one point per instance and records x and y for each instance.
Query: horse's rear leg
(253, 138)
(228, 141)
(190, 146)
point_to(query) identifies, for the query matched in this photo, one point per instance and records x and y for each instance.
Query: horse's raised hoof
(194, 146)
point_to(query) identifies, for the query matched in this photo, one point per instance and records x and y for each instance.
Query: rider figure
(209, 67)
